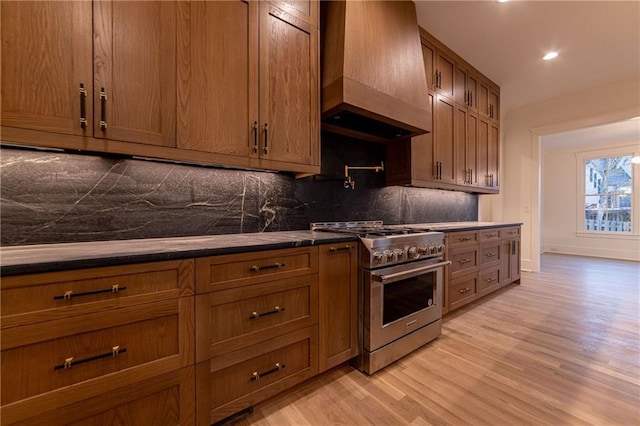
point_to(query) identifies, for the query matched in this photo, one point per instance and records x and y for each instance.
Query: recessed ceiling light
(502, 1)
(549, 56)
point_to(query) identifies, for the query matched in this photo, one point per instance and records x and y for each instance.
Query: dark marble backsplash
(55, 197)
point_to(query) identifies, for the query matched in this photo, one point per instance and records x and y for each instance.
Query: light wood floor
(561, 348)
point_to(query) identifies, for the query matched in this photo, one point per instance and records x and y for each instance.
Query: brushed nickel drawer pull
(256, 315)
(491, 235)
(490, 280)
(69, 362)
(465, 238)
(334, 249)
(255, 376)
(70, 294)
(463, 261)
(464, 290)
(490, 254)
(260, 268)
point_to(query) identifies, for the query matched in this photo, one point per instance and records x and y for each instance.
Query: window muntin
(608, 192)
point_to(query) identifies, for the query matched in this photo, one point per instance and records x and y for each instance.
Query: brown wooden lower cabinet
(167, 399)
(482, 261)
(234, 381)
(133, 345)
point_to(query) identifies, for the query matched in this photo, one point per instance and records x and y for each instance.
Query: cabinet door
(134, 71)
(460, 91)
(445, 112)
(493, 156)
(338, 304)
(514, 260)
(217, 77)
(483, 153)
(473, 85)
(289, 87)
(494, 103)
(483, 98)
(472, 148)
(46, 59)
(446, 74)
(429, 58)
(461, 139)
(422, 150)
(306, 10)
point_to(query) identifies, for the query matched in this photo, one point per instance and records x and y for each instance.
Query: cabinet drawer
(489, 280)
(463, 260)
(490, 254)
(457, 239)
(510, 232)
(462, 291)
(492, 234)
(72, 352)
(27, 299)
(163, 400)
(228, 320)
(227, 271)
(234, 381)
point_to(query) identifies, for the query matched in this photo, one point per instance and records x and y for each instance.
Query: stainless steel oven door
(401, 299)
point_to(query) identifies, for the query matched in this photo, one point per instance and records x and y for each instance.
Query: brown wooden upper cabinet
(462, 151)
(248, 88)
(121, 86)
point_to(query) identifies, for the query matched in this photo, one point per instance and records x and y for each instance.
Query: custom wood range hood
(374, 84)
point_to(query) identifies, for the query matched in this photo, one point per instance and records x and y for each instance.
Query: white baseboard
(594, 252)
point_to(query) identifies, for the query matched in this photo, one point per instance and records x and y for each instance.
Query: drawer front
(490, 254)
(227, 384)
(28, 299)
(489, 280)
(165, 400)
(228, 271)
(492, 234)
(228, 320)
(463, 260)
(457, 239)
(74, 351)
(462, 291)
(511, 232)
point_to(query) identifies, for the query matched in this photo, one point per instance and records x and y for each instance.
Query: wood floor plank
(561, 348)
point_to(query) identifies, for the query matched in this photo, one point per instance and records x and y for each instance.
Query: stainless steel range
(400, 289)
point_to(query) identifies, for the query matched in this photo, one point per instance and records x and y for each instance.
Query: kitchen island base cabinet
(230, 383)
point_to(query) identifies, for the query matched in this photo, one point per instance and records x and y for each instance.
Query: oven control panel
(401, 249)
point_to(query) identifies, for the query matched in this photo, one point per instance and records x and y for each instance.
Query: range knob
(399, 254)
(440, 248)
(388, 255)
(422, 249)
(412, 253)
(378, 257)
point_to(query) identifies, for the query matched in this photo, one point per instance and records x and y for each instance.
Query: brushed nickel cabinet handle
(256, 315)
(490, 280)
(83, 106)
(464, 290)
(255, 376)
(71, 361)
(334, 249)
(464, 261)
(69, 294)
(464, 238)
(490, 254)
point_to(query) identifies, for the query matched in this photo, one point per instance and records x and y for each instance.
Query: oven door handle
(410, 273)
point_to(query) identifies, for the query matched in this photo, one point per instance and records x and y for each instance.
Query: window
(608, 194)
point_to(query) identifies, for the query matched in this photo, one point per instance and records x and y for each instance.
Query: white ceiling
(624, 132)
(598, 41)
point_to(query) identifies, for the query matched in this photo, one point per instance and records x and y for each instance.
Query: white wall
(520, 166)
(560, 194)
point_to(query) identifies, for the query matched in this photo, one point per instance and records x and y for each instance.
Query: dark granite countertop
(461, 226)
(57, 257)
